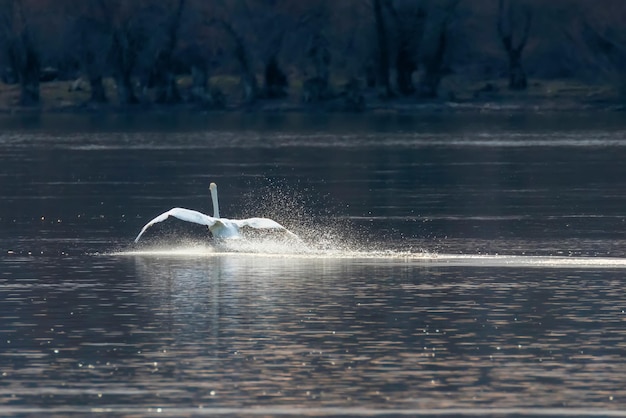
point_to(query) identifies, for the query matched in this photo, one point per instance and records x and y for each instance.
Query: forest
(346, 54)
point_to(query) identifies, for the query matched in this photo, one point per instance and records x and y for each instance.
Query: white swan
(221, 228)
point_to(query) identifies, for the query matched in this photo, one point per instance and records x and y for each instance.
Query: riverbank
(483, 97)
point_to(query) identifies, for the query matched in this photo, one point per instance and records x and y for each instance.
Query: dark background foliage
(242, 51)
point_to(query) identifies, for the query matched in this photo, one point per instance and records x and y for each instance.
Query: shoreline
(398, 106)
(542, 96)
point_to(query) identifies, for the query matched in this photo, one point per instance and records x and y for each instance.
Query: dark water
(455, 265)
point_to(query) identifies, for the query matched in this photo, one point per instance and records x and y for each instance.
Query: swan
(221, 228)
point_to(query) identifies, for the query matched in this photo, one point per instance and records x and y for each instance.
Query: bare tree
(21, 50)
(600, 41)
(164, 74)
(88, 34)
(509, 19)
(94, 39)
(248, 77)
(275, 80)
(127, 40)
(382, 73)
(267, 23)
(314, 26)
(409, 23)
(436, 44)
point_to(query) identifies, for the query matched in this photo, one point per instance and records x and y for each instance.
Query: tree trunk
(165, 83)
(199, 84)
(409, 31)
(29, 91)
(517, 76)
(433, 66)
(382, 76)
(123, 64)
(405, 67)
(22, 55)
(275, 79)
(166, 87)
(249, 82)
(200, 92)
(429, 85)
(125, 91)
(98, 94)
(317, 88)
(93, 71)
(24, 60)
(248, 78)
(29, 73)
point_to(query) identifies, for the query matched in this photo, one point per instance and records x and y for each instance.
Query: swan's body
(221, 228)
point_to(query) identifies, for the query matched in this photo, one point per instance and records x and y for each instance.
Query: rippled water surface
(450, 265)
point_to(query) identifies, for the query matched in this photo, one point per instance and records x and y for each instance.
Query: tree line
(166, 51)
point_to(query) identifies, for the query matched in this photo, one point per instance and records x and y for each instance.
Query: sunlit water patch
(267, 249)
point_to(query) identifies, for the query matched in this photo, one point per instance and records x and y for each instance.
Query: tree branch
(528, 17)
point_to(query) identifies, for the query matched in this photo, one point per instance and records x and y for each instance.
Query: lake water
(451, 265)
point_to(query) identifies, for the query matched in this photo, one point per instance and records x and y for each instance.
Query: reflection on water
(272, 250)
(231, 331)
(459, 266)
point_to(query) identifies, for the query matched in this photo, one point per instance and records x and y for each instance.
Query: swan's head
(213, 187)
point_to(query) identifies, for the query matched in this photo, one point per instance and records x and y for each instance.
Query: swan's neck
(216, 205)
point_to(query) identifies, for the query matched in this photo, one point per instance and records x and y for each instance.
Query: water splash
(285, 249)
(325, 236)
(324, 242)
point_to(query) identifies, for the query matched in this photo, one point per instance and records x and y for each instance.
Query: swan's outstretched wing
(262, 223)
(182, 214)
